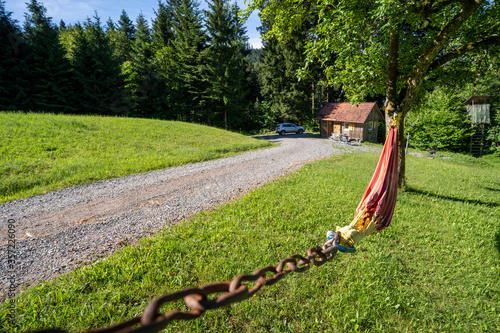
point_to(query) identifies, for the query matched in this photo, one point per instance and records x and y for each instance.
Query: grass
(435, 269)
(44, 152)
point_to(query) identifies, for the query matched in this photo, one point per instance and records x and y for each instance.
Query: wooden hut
(353, 122)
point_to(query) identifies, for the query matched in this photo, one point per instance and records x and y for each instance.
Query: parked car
(284, 128)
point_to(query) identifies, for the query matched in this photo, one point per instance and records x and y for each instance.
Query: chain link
(198, 301)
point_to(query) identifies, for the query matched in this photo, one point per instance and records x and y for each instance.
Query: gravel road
(58, 231)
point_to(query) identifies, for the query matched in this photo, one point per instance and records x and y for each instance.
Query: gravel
(59, 231)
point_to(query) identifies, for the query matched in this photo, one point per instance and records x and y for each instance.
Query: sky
(72, 11)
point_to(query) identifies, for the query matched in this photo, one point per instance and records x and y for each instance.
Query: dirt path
(59, 231)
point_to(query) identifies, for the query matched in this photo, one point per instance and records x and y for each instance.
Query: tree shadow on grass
(497, 240)
(450, 198)
(491, 189)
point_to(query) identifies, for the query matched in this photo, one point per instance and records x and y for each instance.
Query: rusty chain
(196, 299)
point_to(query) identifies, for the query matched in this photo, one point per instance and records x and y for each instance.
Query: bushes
(439, 122)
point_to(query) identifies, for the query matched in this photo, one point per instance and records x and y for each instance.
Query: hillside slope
(44, 152)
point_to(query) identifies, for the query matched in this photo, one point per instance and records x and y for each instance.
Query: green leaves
(439, 122)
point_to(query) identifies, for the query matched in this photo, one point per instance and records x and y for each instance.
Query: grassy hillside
(435, 269)
(43, 152)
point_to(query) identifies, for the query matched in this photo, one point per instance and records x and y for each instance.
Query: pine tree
(50, 87)
(127, 34)
(141, 48)
(187, 62)
(144, 79)
(226, 67)
(117, 40)
(162, 60)
(12, 58)
(289, 98)
(98, 73)
(67, 37)
(163, 30)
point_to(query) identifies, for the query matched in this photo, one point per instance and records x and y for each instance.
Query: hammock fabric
(376, 207)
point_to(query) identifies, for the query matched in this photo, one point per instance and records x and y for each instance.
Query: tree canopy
(387, 47)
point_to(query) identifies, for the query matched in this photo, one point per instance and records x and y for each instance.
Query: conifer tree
(141, 47)
(187, 61)
(67, 37)
(12, 58)
(116, 39)
(289, 98)
(98, 73)
(144, 82)
(163, 30)
(226, 65)
(127, 33)
(50, 76)
(162, 60)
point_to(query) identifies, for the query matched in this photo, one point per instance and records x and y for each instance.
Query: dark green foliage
(126, 31)
(141, 47)
(182, 68)
(494, 130)
(163, 30)
(267, 116)
(47, 69)
(490, 85)
(225, 72)
(13, 51)
(381, 131)
(99, 83)
(144, 80)
(254, 56)
(117, 40)
(251, 115)
(126, 26)
(439, 122)
(186, 62)
(289, 98)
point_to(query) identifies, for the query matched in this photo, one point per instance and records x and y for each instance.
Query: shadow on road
(287, 136)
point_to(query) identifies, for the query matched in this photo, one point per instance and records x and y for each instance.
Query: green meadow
(435, 269)
(44, 152)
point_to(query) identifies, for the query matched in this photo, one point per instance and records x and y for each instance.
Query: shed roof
(346, 112)
(477, 99)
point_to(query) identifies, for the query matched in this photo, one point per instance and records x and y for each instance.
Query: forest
(188, 65)
(196, 65)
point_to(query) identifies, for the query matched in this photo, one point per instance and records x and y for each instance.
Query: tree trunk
(391, 107)
(225, 119)
(312, 106)
(392, 77)
(401, 152)
(320, 97)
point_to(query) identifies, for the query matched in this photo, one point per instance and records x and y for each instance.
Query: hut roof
(346, 112)
(480, 99)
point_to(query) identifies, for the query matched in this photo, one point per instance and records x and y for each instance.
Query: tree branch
(429, 55)
(485, 42)
(429, 9)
